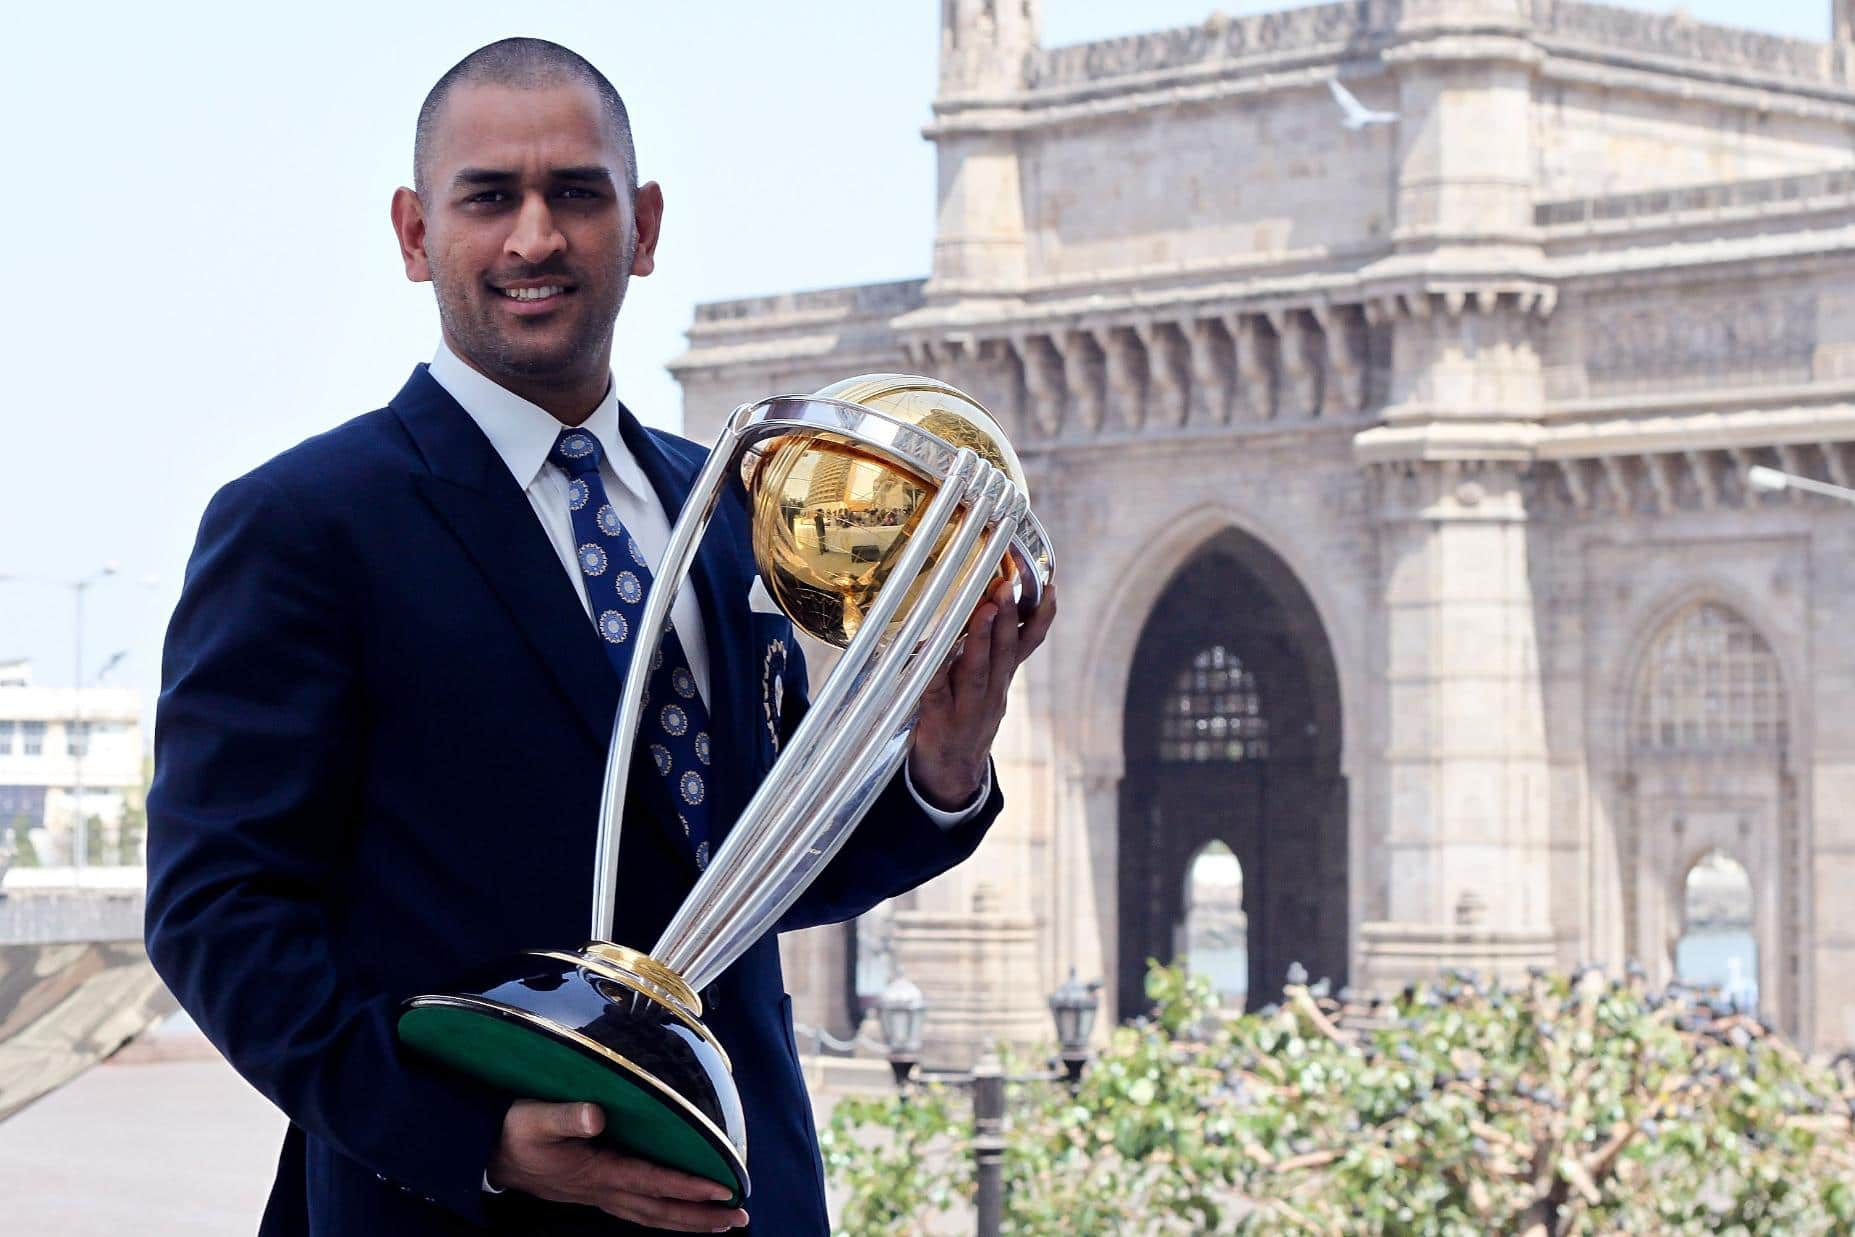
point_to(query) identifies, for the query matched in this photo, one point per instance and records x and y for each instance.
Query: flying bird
(1358, 115)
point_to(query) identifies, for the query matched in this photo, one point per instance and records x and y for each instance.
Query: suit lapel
(471, 491)
(717, 579)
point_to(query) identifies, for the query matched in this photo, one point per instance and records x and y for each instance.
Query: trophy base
(583, 1027)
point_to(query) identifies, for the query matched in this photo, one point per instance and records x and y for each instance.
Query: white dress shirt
(523, 434)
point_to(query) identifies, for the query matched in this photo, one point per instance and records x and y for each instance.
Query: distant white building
(54, 740)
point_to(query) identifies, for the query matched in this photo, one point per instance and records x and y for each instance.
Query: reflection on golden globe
(830, 517)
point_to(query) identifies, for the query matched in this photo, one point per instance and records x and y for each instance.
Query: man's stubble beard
(497, 352)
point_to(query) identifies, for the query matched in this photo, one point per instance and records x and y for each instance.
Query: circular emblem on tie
(691, 786)
(674, 720)
(576, 446)
(702, 854)
(592, 560)
(703, 747)
(577, 494)
(629, 590)
(613, 627)
(607, 520)
(683, 681)
(661, 755)
(684, 822)
(637, 555)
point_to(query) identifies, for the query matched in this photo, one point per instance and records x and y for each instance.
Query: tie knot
(575, 453)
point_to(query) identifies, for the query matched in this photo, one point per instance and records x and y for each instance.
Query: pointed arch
(1232, 629)
(1706, 728)
(1708, 681)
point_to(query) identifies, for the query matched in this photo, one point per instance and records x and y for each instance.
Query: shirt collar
(523, 433)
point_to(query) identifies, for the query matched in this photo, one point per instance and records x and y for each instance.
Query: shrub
(1567, 1105)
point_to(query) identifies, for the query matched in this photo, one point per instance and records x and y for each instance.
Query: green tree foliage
(96, 841)
(1568, 1105)
(25, 854)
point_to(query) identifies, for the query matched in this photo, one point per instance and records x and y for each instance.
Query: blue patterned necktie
(675, 729)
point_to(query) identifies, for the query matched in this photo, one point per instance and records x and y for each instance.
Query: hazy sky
(203, 273)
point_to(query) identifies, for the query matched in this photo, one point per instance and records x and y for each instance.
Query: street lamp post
(902, 1011)
(1771, 481)
(79, 741)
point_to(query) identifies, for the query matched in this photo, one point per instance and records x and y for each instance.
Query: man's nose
(535, 238)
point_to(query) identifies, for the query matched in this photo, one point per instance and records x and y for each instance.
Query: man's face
(527, 231)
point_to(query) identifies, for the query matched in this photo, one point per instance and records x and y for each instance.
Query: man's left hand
(965, 703)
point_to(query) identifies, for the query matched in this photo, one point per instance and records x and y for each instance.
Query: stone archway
(1231, 734)
(1708, 749)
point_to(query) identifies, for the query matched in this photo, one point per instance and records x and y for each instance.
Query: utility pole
(79, 740)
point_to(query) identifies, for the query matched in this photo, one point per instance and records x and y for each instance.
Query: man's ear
(648, 219)
(409, 226)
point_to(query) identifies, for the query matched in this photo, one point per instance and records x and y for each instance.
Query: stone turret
(983, 44)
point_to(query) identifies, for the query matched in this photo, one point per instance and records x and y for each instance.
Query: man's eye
(576, 192)
(487, 197)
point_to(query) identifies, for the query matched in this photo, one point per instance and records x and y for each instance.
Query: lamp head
(1768, 480)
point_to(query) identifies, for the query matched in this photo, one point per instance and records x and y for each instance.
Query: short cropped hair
(524, 64)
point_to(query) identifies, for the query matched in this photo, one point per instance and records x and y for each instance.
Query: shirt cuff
(940, 816)
(487, 1187)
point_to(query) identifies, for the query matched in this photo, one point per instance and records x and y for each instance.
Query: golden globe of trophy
(884, 507)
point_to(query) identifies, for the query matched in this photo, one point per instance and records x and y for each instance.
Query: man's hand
(966, 701)
(546, 1152)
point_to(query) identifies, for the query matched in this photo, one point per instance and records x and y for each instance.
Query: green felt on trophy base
(529, 1062)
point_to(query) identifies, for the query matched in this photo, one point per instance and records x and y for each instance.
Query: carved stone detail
(1255, 352)
(1043, 383)
(1297, 364)
(1693, 342)
(1219, 39)
(1691, 479)
(1213, 368)
(1676, 36)
(1082, 366)
(1168, 383)
(1126, 373)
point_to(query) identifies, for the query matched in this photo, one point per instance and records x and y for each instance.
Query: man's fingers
(641, 1177)
(940, 687)
(676, 1217)
(1034, 631)
(974, 669)
(1005, 637)
(560, 1120)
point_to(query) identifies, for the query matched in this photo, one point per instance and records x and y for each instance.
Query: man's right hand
(547, 1151)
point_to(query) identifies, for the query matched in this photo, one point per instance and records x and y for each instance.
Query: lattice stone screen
(1710, 682)
(1213, 713)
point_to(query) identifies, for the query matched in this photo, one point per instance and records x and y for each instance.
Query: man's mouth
(543, 292)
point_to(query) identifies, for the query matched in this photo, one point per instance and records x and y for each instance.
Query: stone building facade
(1397, 475)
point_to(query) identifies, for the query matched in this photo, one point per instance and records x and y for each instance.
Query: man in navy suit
(387, 698)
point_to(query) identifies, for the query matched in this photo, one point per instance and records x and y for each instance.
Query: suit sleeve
(255, 797)
(896, 847)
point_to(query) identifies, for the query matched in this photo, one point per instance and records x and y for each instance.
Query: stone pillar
(970, 938)
(1465, 149)
(976, 962)
(979, 235)
(815, 963)
(1465, 820)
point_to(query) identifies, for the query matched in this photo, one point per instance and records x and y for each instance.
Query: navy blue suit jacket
(378, 756)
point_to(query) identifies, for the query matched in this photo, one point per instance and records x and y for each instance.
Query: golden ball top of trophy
(831, 517)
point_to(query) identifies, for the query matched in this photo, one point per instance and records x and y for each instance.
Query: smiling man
(387, 694)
